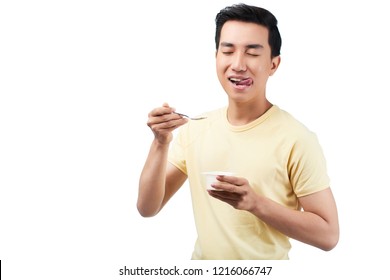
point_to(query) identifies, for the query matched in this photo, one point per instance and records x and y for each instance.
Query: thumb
(166, 105)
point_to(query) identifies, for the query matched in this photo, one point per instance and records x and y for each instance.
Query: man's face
(244, 60)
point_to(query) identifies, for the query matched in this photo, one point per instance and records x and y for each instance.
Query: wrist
(259, 207)
(159, 144)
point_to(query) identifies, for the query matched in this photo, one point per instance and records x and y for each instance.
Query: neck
(244, 113)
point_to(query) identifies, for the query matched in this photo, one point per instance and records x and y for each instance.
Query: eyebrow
(254, 46)
(250, 46)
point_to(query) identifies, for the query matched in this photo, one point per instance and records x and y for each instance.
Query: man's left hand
(235, 191)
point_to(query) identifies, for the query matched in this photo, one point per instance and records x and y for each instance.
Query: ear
(275, 62)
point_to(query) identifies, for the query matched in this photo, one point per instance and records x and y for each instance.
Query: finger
(166, 121)
(228, 187)
(161, 111)
(167, 125)
(160, 115)
(163, 118)
(233, 201)
(225, 195)
(232, 180)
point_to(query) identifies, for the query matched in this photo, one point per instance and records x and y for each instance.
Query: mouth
(241, 83)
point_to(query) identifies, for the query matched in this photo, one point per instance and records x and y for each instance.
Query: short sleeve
(307, 166)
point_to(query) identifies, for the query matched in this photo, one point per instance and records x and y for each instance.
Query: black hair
(246, 13)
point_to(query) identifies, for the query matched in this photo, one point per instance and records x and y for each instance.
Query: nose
(238, 63)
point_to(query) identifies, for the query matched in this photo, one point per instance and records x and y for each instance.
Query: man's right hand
(162, 121)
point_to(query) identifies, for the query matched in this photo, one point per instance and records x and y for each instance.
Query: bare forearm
(152, 180)
(154, 191)
(317, 225)
(306, 227)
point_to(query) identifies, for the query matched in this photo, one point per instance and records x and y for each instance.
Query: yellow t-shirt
(280, 158)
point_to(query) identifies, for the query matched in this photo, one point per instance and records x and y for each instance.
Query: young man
(280, 188)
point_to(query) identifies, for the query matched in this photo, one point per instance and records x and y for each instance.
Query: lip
(238, 77)
(237, 86)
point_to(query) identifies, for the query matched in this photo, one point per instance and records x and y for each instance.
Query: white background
(77, 80)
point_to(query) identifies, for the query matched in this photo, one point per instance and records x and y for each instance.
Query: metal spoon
(194, 119)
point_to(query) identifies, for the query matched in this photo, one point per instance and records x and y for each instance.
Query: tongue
(246, 82)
